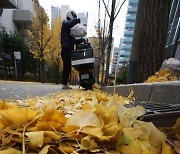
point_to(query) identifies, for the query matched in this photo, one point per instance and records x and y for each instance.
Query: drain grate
(162, 115)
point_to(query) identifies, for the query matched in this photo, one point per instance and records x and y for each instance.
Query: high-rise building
(114, 61)
(59, 12)
(126, 44)
(55, 12)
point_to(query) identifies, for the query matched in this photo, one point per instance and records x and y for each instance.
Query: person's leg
(66, 57)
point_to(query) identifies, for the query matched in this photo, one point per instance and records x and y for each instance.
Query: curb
(158, 92)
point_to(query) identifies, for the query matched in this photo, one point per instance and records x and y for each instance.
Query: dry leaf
(10, 151)
(177, 146)
(36, 138)
(19, 115)
(65, 148)
(88, 143)
(84, 118)
(166, 149)
(44, 150)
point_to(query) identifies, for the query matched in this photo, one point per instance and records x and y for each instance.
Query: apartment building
(16, 15)
(126, 42)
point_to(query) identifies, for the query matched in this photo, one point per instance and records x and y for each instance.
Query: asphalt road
(22, 90)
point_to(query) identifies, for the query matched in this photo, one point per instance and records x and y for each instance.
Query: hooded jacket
(68, 41)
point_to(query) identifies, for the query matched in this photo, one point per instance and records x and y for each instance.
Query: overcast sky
(89, 6)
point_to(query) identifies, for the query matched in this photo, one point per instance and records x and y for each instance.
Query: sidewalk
(22, 90)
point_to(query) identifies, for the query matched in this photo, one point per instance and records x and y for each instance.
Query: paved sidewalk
(22, 90)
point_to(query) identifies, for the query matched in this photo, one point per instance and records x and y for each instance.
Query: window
(133, 4)
(127, 43)
(125, 56)
(131, 12)
(130, 20)
(128, 35)
(129, 28)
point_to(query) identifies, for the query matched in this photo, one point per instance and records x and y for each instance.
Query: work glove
(79, 20)
(84, 40)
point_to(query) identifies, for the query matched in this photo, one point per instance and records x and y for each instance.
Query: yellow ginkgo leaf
(94, 131)
(88, 143)
(44, 150)
(143, 127)
(132, 114)
(87, 106)
(53, 115)
(51, 125)
(36, 138)
(156, 137)
(10, 151)
(52, 135)
(19, 115)
(84, 118)
(5, 105)
(129, 136)
(65, 148)
(134, 148)
(166, 149)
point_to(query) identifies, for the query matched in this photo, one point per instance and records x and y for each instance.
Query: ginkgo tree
(39, 36)
(54, 46)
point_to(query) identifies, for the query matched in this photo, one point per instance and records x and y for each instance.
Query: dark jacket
(68, 41)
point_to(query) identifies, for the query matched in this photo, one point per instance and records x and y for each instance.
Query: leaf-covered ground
(80, 121)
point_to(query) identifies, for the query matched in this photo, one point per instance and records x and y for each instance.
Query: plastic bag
(172, 65)
(78, 31)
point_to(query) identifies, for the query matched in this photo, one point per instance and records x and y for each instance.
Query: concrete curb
(158, 92)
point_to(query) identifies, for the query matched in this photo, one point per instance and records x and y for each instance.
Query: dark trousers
(66, 57)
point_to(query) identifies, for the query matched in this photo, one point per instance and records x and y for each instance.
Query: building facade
(114, 60)
(59, 12)
(16, 15)
(126, 41)
(172, 48)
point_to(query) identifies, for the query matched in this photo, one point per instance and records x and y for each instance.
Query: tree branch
(119, 9)
(106, 8)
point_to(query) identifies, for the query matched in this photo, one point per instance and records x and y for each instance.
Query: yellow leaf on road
(84, 118)
(36, 138)
(19, 115)
(10, 151)
(166, 149)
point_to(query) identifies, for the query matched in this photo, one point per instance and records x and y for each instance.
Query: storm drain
(162, 115)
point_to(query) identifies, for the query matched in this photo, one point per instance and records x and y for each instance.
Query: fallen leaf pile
(162, 76)
(77, 122)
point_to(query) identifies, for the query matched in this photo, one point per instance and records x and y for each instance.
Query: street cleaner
(67, 44)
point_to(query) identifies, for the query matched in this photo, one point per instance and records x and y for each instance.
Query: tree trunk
(109, 42)
(42, 71)
(57, 74)
(102, 67)
(152, 37)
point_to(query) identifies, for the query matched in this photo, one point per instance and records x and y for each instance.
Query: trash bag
(78, 31)
(172, 65)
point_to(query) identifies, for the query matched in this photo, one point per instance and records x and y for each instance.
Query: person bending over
(67, 45)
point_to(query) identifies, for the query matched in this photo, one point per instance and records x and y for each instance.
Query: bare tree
(112, 14)
(102, 33)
